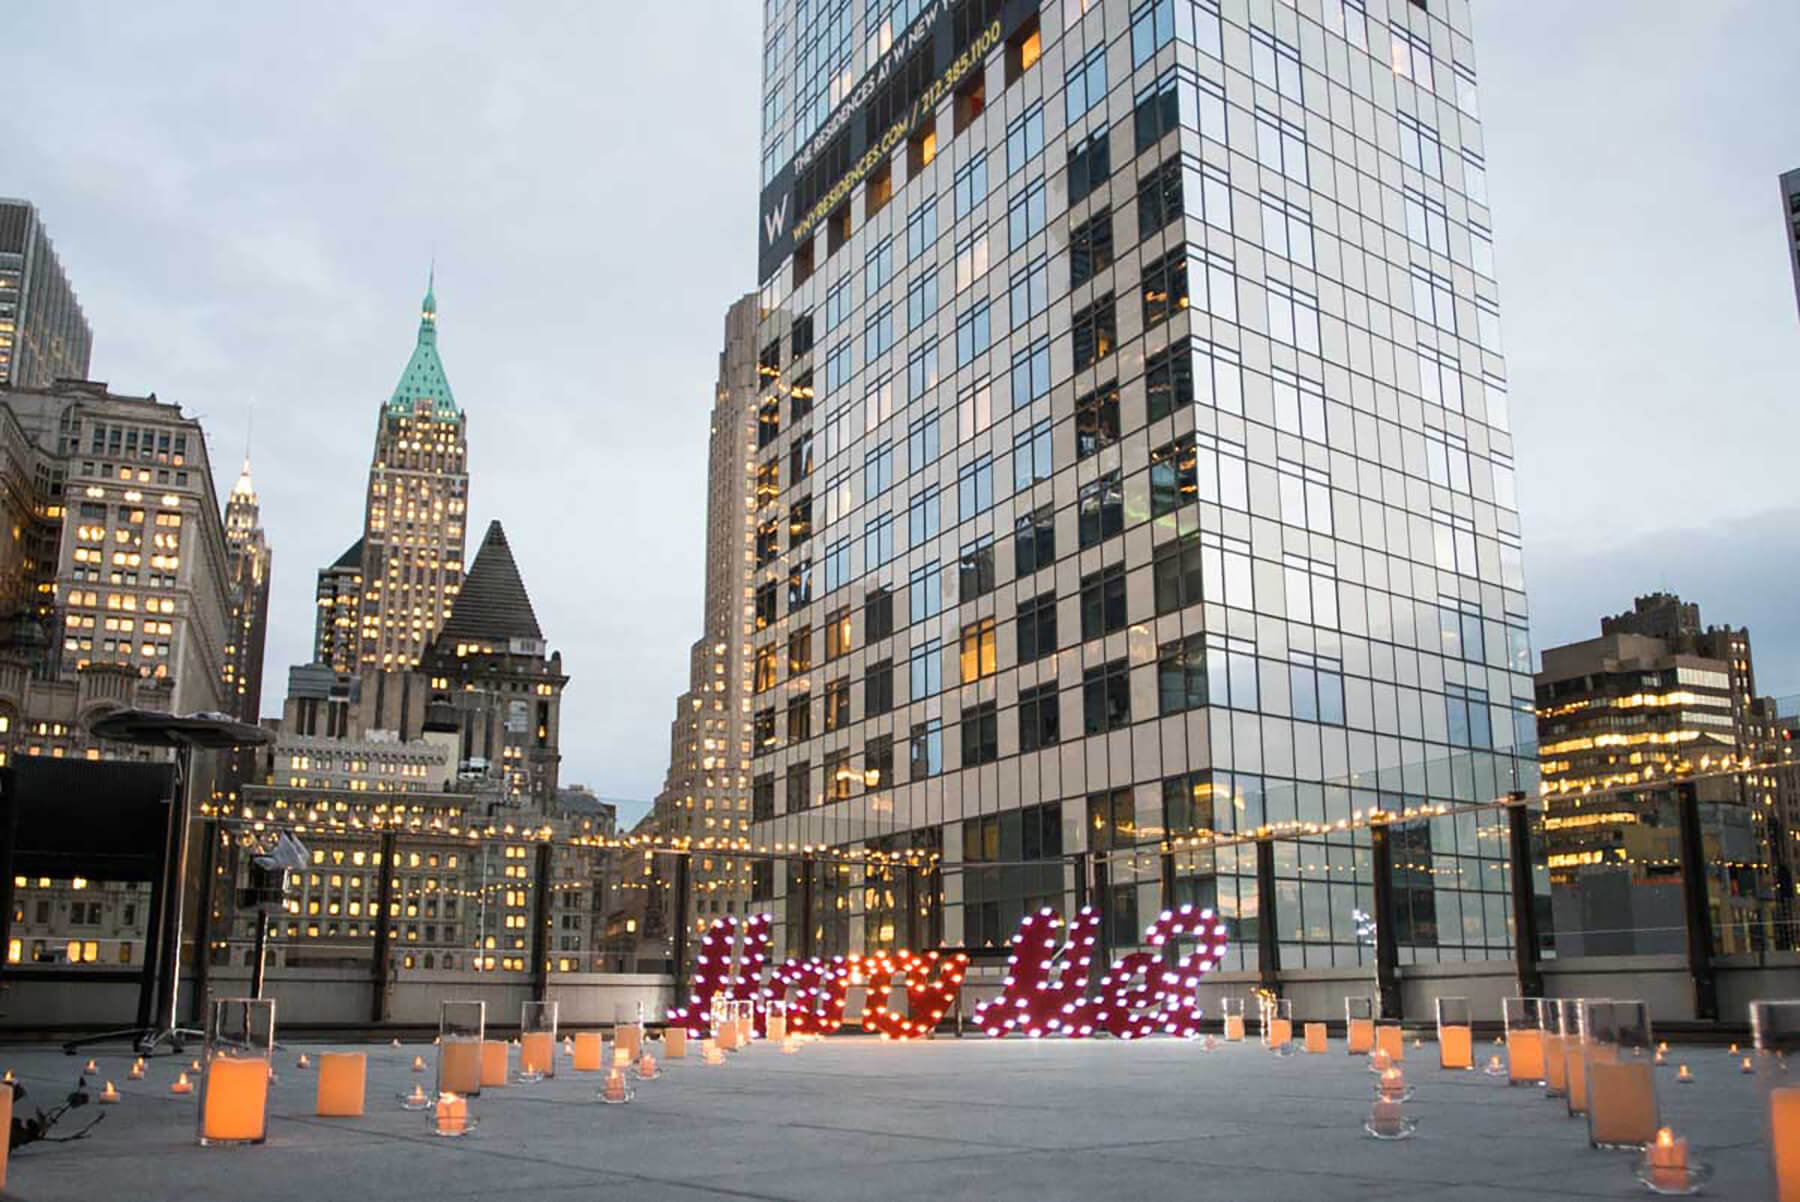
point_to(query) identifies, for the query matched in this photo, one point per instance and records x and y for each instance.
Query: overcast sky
(248, 197)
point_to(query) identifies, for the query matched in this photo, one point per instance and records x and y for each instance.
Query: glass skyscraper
(1133, 469)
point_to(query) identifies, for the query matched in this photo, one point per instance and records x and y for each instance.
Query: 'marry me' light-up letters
(1046, 990)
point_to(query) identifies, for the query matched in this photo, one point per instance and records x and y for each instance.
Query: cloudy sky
(248, 197)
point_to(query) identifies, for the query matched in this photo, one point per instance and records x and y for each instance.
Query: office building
(248, 563)
(1133, 465)
(401, 578)
(1657, 714)
(706, 794)
(43, 335)
(128, 538)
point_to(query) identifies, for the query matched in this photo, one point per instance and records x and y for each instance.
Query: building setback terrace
(856, 1117)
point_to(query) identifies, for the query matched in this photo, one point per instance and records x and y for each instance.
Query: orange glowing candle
(343, 1077)
(590, 1052)
(630, 1037)
(494, 1053)
(537, 1053)
(137, 1070)
(452, 1115)
(109, 1094)
(1234, 1028)
(1315, 1037)
(1621, 1102)
(1393, 1085)
(1684, 1075)
(1525, 1055)
(182, 1084)
(303, 1062)
(615, 1086)
(1556, 1063)
(647, 1066)
(1456, 1047)
(459, 1065)
(1359, 1036)
(1391, 1039)
(91, 1067)
(777, 1027)
(1281, 1032)
(1784, 1141)
(1668, 1161)
(675, 1043)
(237, 1099)
(418, 1064)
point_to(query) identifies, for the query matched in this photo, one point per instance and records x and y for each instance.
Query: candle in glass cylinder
(1234, 1028)
(629, 1036)
(1389, 1038)
(1315, 1037)
(237, 1099)
(675, 1043)
(342, 1079)
(536, 1053)
(646, 1067)
(1668, 1161)
(1577, 1074)
(1456, 1047)
(1621, 1100)
(494, 1054)
(1386, 1117)
(459, 1065)
(1393, 1085)
(621, 1055)
(452, 1115)
(1784, 1141)
(1359, 1035)
(590, 1052)
(1281, 1032)
(1556, 1065)
(777, 1027)
(615, 1086)
(1525, 1055)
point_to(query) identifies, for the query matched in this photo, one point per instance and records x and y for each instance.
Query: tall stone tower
(413, 527)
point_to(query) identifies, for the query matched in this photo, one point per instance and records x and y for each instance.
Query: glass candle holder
(1524, 1019)
(234, 1083)
(1359, 1025)
(461, 1028)
(537, 1040)
(1455, 1033)
(1559, 1017)
(494, 1056)
(775, 1021)
(1233, 1009)
(1315, 1037)
(1775, 1036)
(1278, 1025)
(1620, 1065)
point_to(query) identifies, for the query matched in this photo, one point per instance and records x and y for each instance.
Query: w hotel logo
(775, 220)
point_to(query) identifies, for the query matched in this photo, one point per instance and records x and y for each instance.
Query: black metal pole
(168, 946)
(1268, 918)
(1525, 932)
(1698, 910)
(1103, 898)
(203, 925)
(1171, 955)
(911, 895)
(540, 940)
(259, 953)
(1387, 948)
(806, 906)
(678, 946)
(384, 905)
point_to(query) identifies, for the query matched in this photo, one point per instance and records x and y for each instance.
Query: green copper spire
(424, 378)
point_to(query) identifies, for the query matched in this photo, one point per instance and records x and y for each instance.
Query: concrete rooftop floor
(853, 1117)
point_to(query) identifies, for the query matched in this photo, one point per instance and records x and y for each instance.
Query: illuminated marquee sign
(781, 226)
(1045, 991)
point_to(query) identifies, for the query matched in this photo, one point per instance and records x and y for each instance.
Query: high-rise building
(1133, 463)
(1657, 712)
(337, 618)
(131, 553)
(412, 545)
(706, 793)
(43, 335)
(1790, 214)
(248, 563)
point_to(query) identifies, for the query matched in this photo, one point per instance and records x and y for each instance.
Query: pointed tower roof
(352, 556)
(424, 378)
(243, 487)
(492, 604)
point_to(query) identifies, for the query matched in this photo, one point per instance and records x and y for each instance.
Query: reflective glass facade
(1133, 462)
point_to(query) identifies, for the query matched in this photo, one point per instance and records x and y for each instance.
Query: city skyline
(305, 311)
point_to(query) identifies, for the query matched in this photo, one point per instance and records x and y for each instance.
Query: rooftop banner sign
(1045, 992)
